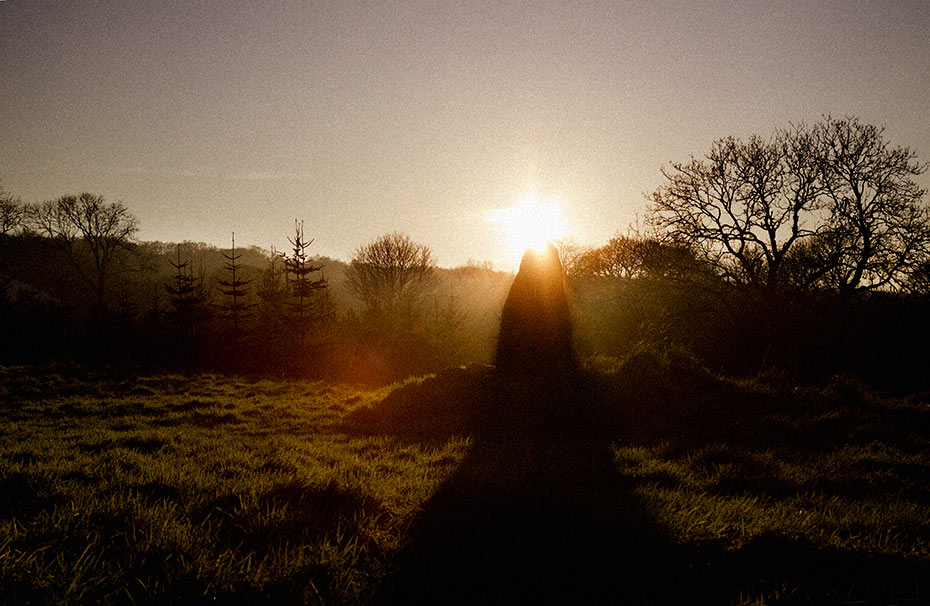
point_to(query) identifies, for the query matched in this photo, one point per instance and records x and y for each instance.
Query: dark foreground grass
(646, 480)
(177, 489)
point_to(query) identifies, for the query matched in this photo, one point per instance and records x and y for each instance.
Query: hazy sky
(361, 118)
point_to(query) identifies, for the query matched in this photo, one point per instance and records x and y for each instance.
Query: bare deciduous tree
(11, 213)
(832, 205)
(390, 275)
(744, 206)
(570, 255)
(879, 226)
(621, 257)
(91, 232)
(636, 256)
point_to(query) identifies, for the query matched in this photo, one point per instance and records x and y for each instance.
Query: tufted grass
(188, 489)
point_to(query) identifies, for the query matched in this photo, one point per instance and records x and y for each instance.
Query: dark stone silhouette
(536, 331)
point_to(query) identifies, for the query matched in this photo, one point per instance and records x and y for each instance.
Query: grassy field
(646, 479)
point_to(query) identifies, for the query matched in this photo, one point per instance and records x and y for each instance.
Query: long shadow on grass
(535, 512)
(538, 512)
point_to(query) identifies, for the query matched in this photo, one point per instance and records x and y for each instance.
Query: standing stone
(536, 332)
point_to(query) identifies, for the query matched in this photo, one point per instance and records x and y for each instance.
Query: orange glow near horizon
(530, 224)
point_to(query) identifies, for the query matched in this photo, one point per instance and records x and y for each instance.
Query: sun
(529, 224)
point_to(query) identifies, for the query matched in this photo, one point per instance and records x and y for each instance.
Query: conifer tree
(273, 293)
(187, 297)
(236, 290)
(304, 303)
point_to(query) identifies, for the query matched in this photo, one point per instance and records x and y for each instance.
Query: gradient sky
(362, 118)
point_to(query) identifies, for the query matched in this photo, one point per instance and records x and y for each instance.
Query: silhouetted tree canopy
(635, 256)
(391, 275)
(11, 213)
(748, 262)
(879, 226)
(571, 255)
(831, 205)
(91, 232)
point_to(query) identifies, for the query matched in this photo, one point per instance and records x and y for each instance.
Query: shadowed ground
(536, 512)
(539, 511)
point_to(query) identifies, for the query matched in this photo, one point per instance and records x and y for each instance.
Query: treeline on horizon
(806, 253)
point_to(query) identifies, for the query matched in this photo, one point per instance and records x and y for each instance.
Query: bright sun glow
(529, 224)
